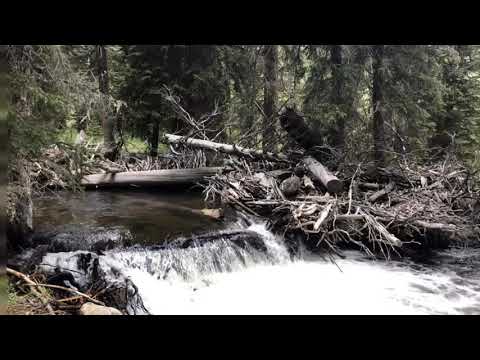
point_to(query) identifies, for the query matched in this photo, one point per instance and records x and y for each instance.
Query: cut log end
(321, 173)
(334, 186)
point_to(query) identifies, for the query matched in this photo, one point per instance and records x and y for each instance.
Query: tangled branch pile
(382, 210)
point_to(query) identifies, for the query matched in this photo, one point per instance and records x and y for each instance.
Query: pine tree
(270, 59)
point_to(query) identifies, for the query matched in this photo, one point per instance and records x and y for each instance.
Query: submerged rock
(213, 213)
(241, 238)
(75, 238)
(93, 309)
(93, 272)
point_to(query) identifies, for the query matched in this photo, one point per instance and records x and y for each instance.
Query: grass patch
(67, 135)
(3, 287)
(135, 145)
(94, 136)
(4, 294)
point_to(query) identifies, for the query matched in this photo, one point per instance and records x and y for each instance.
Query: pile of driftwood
(380, 209)
(366, 205)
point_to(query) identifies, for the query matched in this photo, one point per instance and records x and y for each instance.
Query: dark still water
(150, 216)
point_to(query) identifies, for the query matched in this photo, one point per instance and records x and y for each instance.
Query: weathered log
(381, 193)
(242, 238)
(369, 186)
(320, 172)
(152, 177)
(225, 148)
(420, 223)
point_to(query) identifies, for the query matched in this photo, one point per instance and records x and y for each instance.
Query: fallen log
(321, 173)
(152, 177)
(420, 223)
(381, 193)
(225, 148)
(242, 238)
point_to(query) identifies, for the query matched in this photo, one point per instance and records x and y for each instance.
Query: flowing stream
(223, 278)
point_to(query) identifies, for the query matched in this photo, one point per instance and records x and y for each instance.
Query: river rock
(291, 186)
(213, 213)
(94, 309)
(75, 238)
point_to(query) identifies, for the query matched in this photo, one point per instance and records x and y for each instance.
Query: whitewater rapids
(216, 281)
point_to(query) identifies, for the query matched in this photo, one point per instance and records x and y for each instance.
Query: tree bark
(225, 148)
(337, 96)
(107, 120)
(321, 173)
(154, 137)
(151, 178)
(269, 95)
(378, 104)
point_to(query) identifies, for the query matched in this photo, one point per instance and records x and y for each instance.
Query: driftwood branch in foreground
(28, 281)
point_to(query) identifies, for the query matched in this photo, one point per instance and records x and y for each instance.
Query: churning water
(223, 278)
(215, 280)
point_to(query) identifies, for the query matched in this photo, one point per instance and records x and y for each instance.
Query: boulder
(82, 238)
(213, 213)
(93, 309)
(291, 186)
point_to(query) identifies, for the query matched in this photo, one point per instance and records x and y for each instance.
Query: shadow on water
(151, 216)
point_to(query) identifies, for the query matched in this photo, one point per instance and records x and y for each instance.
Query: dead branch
(29, 282)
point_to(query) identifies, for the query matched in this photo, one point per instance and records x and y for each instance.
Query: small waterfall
(168, 277)
(153, 271)
(221, 277)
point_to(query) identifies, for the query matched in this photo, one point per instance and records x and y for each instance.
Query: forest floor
(14, 303)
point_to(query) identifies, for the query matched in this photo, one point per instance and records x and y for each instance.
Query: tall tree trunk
(154, 138)
(378, 104)
(269, 96)
(337, 96)
(103, 85)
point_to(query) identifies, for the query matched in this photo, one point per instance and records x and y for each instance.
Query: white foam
(303, 287)
(307, 286)
(219, 278)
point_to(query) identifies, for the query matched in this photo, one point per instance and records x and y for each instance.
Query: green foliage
(427, 90)
(4, 290)
(46, 93)
(137, 145)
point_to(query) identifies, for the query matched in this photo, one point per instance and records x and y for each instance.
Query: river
(220, 278)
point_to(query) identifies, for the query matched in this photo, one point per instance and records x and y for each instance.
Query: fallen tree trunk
(151, 178)
(420, 223)
(321, 173)
(381, 193)
(225, 148)
(242, 238)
